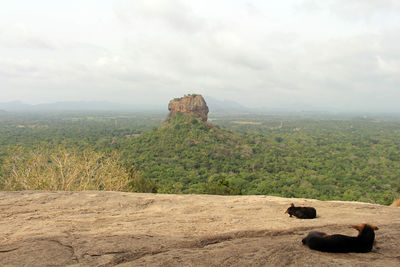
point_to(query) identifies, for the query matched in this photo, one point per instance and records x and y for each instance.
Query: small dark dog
(302, 212)
(343, 243)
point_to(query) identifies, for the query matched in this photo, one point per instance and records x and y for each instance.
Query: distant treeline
(324, 158)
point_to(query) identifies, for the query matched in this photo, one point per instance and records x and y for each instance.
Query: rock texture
(191, 104)
(128, 229)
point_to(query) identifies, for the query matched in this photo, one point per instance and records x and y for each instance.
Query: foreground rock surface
(128, 229)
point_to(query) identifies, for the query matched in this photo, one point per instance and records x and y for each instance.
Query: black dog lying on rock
(302, 212)
(343, 243)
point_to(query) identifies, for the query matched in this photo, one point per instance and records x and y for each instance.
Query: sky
(340, 55)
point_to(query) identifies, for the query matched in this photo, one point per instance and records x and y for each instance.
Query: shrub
(62, 168)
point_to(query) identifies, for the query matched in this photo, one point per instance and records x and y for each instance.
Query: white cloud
(260, 53)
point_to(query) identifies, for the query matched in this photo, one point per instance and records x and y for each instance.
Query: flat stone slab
(91, 228)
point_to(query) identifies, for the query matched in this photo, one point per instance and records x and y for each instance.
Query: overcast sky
(329, 54)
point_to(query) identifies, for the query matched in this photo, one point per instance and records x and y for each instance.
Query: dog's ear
(292, 205)
(372, 226)
(358, 227)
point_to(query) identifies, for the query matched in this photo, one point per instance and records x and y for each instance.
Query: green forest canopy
(326, 158)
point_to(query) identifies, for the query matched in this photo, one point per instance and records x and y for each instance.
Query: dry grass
(396, 203)
(63, 169)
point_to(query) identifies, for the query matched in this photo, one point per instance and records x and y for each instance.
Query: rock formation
(92, 228)
(190, 104)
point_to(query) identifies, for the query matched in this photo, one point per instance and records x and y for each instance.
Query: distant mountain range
(18, 106)
(214, 105)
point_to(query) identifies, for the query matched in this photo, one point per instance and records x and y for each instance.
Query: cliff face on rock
(190, 104)
(128, 229)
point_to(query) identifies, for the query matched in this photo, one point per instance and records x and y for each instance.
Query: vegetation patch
(247, 122)
(330, 158)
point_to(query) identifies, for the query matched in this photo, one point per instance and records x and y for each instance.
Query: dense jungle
(326, 157)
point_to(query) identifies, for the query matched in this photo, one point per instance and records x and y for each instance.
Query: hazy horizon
(331, 55)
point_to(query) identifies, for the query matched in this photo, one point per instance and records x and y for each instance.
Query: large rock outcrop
(190, 104)
(93, 228)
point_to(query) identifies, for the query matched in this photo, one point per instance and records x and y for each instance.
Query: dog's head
(290, 208)
(361, 227)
